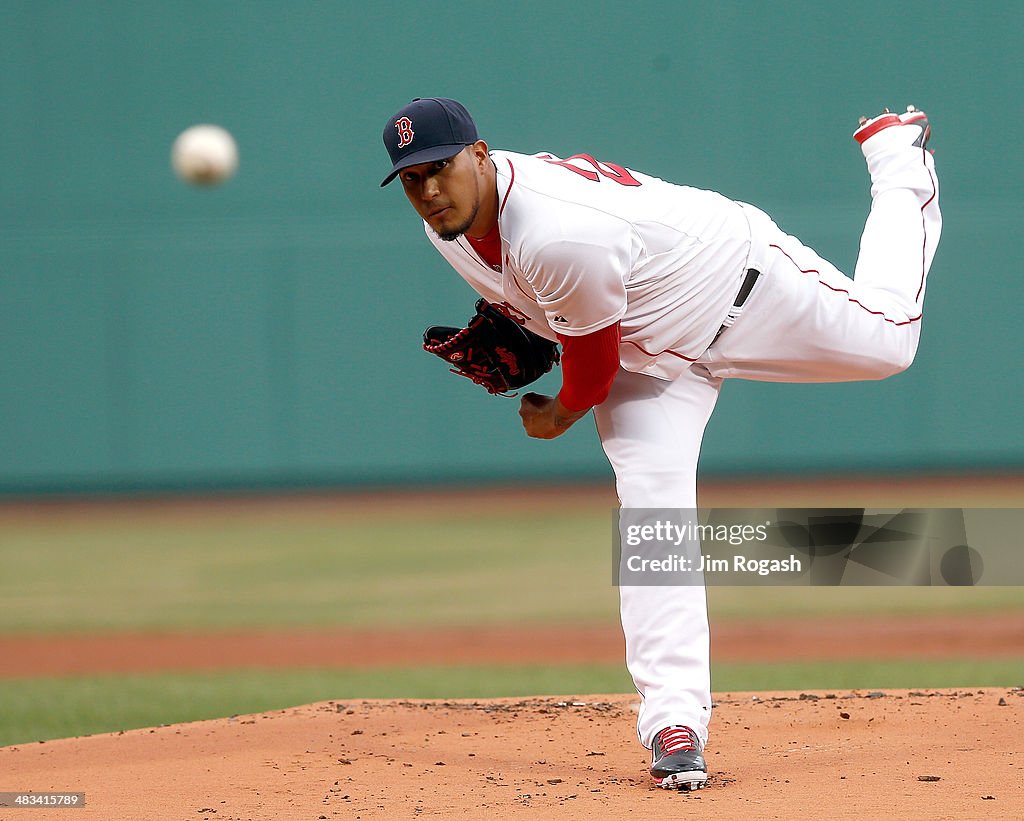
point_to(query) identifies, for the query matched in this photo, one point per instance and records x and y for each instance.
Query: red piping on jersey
(924, 243)
(511, 182)
(648, 353)
(501, 208)
(515, 279)
(843, 291)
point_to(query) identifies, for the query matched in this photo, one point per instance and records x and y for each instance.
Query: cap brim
(435, 152)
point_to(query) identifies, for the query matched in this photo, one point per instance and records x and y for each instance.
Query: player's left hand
(544, 417)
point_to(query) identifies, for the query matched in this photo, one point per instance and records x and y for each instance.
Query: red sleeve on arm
(589, 365)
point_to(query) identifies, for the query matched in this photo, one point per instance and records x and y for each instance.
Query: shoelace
(677, 739)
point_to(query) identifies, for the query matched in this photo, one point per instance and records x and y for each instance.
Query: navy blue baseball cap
(428, 129)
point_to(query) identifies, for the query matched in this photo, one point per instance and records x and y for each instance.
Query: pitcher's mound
(893, 754)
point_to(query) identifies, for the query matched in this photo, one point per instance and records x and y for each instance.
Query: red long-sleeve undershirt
(589, 362)
(589, 365)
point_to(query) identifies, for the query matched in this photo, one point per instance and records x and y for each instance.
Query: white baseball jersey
(585, 244)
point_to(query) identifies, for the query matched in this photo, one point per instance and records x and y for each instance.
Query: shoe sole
(883, 121)
(683, 781)
(873, 126)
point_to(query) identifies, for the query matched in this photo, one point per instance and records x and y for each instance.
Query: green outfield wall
(266, 332)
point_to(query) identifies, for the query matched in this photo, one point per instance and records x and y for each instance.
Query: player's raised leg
(806, 321)
(903, 227)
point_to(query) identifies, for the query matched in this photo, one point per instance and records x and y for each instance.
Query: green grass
(821, 602)
(237, 567)
(227, 572)
(44, 708)
(873, 675)
(232, 569)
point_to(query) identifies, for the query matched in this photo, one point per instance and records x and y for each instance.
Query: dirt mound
(894, 754)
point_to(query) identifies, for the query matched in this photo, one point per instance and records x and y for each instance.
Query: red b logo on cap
(405, 132)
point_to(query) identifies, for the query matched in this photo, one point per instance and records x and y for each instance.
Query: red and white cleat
(677, 762)
(912, 117)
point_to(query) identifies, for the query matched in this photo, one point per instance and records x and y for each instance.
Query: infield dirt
(843, 755)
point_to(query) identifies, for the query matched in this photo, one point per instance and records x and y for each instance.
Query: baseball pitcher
(655, 293)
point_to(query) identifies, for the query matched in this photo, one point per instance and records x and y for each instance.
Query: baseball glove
(494, 349)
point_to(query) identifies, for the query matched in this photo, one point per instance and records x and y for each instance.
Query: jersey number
(610, 171)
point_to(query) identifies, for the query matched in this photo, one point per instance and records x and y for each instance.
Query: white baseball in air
(204, 155)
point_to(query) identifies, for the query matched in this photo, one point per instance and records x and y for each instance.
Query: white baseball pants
(804, 321)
